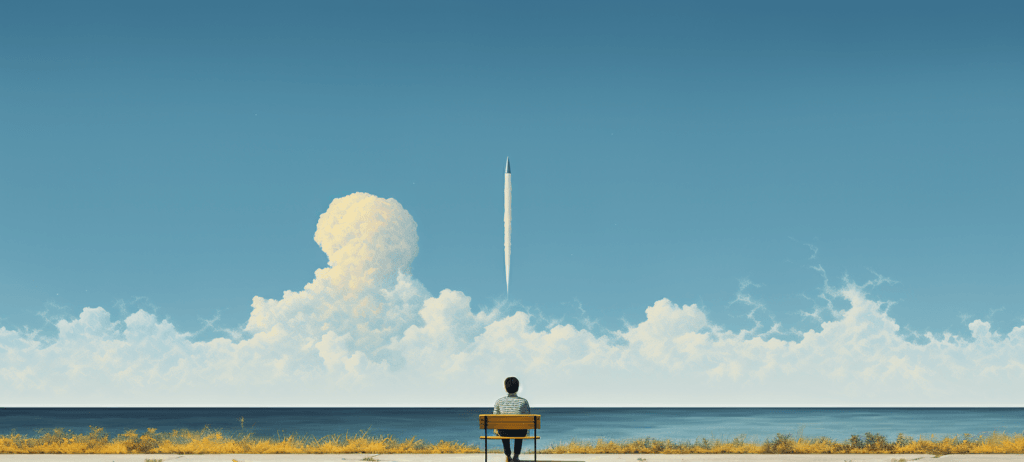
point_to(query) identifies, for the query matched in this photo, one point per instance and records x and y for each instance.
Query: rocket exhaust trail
(508, 221)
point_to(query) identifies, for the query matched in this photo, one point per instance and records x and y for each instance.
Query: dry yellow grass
(208, 441)
(869, 443)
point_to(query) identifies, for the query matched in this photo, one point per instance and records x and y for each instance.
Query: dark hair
(511, 384)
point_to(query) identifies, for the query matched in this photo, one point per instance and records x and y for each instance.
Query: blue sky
(741, 157)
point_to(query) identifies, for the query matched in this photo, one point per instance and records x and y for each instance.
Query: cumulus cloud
(365, 332)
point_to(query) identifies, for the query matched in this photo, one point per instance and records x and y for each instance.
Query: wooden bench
(510, 422)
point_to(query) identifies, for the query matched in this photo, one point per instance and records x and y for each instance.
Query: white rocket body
(508, 221)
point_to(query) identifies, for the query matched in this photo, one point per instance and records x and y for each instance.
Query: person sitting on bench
(512, 404)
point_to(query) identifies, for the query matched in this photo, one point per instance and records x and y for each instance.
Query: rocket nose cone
(508, 166)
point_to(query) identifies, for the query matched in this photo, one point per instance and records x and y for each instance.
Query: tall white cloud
(365, 332)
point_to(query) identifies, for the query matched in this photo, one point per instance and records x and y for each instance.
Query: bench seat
(510, 422)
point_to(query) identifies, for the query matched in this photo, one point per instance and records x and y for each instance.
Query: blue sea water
(557, 424)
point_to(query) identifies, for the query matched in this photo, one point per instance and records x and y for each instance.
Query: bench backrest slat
(510, 421)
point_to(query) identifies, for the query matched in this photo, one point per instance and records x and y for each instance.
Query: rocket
(508, 221)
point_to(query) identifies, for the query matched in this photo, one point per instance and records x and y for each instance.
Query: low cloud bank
(365, 332)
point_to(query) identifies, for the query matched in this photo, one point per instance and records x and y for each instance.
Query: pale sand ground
(500, 457)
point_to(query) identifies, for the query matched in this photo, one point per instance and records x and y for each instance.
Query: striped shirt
(512, 404)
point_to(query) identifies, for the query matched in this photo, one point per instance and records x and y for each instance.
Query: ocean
(557, 424)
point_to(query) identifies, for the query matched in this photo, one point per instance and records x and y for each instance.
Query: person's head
(511, 384)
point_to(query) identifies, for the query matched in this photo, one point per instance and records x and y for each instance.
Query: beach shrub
(876, 442)
(855, 443)
(781, 444)
(136, 444)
